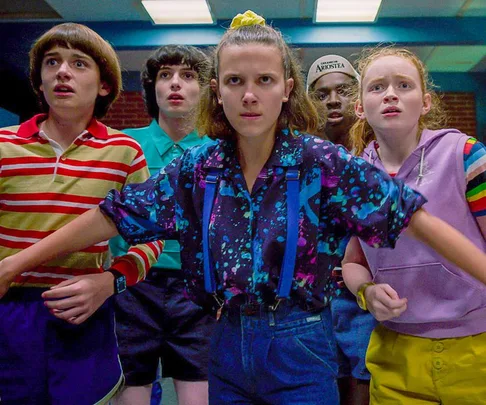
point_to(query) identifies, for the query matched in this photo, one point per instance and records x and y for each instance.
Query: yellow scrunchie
(247, 18)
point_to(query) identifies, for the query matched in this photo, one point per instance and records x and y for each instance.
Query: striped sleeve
(475, 168)
(136, 263)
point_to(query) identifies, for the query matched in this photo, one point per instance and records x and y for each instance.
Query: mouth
(334, 117)
(175, 97)
(63, 89)
(250, 115)
(391, 111)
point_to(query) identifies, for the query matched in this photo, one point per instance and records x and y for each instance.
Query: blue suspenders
(286, 273)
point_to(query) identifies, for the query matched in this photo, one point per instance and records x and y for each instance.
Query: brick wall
(129, 111)
(461, 111)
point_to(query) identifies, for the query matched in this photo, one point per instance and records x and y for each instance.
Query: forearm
(448, 242)
(90, 228)
(355, 275)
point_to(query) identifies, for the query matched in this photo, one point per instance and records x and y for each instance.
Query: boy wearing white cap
(332, 79)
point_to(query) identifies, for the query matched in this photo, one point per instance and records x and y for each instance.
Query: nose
(249, 96)
(390, 95)
(175, 83)
(63, 71)
(333, 102)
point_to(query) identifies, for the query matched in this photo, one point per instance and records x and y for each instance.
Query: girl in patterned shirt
(431, 346)
(263, 214)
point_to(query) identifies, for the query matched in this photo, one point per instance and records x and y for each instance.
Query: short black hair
(169, 55)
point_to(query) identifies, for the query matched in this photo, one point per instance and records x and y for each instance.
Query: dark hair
(78, 36)
(300, 112)
(169, 55)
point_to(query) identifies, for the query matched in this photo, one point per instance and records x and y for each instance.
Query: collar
(287, 151)
(31, 127)
(163, 142)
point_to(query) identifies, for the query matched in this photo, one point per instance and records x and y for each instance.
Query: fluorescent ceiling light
(347, 10)
(178, 11)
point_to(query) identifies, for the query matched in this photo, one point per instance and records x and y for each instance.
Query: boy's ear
(427, 103)
(358, 110)
(105, 89)
(289, 85)
(214, 87)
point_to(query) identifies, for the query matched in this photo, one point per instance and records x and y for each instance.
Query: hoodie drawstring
(421, 167)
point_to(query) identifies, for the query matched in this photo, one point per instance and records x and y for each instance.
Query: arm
(475, 172)
(482, 225)
(381, 299)
(448, 242)
(88, 229)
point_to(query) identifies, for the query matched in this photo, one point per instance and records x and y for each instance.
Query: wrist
(118, 281)
(361, 295)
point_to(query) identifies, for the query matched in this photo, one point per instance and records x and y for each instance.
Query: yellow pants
(411, 370)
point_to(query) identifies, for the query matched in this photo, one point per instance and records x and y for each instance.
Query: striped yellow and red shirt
(40, 191)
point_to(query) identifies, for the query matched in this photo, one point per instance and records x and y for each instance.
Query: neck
(339, 138)
(253, 153)
(176, 128)
(63, 128)
(395, 149)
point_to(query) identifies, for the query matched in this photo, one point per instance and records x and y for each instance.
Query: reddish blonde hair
(361, 133)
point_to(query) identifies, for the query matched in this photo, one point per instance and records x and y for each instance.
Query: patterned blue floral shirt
(340, 196)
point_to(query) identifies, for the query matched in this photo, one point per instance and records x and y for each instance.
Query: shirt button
(63, 157)
(438, 363)
(438, 347)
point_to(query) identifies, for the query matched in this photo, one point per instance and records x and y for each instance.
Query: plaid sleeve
(475, 169)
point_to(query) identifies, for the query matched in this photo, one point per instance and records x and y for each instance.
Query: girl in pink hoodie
(431, 345)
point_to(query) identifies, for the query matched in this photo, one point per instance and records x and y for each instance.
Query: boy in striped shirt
(57, 339)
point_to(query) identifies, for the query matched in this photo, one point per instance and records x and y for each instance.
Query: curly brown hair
(78, 36)
(361, 133)
(300, 112)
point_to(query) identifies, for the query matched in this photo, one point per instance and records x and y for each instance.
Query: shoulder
(201, 153)
(323, 152)
(138, 133)
(119, 143)
(12, 130)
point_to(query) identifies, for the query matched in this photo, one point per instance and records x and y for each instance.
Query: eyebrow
(170, 67)
(400, 76)
(74, 55)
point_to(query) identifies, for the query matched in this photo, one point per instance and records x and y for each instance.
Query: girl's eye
(234, 80)
(163, 75)
(266, 79)
(404, 85)
(376, 87)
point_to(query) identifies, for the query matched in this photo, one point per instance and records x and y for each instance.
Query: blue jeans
(283, 357)
(352, 330)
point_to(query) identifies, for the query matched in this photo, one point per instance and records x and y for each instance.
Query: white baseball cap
(330, 64)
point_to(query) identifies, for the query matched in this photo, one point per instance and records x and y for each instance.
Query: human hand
(76, 299)
(383, 302)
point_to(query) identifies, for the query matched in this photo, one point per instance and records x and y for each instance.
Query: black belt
(255, 309)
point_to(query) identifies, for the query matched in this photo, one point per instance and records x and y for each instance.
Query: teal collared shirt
(159, 150)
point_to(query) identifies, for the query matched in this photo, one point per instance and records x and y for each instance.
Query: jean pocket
(317, 346)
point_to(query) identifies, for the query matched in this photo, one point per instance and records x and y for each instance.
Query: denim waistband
(24, 294)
